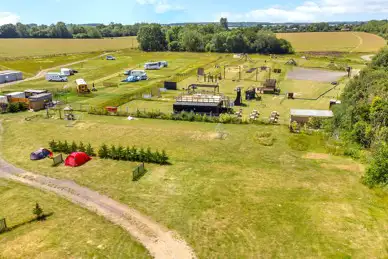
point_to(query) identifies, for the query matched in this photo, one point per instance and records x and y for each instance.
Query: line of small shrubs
(13, 107)
(65, 147)
(183, 116)
(113, 152)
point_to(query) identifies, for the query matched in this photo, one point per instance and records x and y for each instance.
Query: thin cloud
(6, 17)
(310, 11)
(160, 6)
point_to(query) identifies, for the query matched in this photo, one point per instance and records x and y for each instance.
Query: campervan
(152, 66)
(56, 77)
(110, 58)
(141, 74)
(66, 72)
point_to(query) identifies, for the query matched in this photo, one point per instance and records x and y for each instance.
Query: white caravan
(152, 66)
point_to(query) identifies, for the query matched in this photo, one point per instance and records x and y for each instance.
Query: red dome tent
(77, 159)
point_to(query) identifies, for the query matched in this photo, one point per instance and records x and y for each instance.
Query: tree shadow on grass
(42, 218)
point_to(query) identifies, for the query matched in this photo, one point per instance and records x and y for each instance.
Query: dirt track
(160, 242)
(42, 73)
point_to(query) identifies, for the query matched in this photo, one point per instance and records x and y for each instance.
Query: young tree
(103, 152)
(81, 147)
(164, 158)
(89, 150)
(73, 147)
(53, 146)
(113, 153)
(38, 212)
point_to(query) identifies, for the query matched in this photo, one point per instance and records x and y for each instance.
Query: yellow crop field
(334, 41)
(13, 48)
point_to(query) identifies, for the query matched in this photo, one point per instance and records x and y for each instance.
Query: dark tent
(77, 159)
(41, 154)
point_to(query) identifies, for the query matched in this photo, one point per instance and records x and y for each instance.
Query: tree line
(211, 38)
(67, 31)
(362, 118)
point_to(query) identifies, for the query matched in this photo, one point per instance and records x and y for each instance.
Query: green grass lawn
(70, 232)
(232, 198)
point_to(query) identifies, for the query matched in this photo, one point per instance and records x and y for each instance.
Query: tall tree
(152, 38)
(224, 23)
(8, 31)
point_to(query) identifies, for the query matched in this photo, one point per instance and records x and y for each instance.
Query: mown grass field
(70, 232)
(232, 198)
(334, 41)
(17, 48)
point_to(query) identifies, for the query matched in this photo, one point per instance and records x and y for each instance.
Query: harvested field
(315, 75)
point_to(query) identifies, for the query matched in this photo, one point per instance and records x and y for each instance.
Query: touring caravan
(56, 77)
(152, 66)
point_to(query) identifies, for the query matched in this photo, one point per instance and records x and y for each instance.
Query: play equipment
(211, 104)
(170, 85)
(68, 112)
(274, 117)
(193, 87)
(82, 86)
(76, 159)
(111, 109)
(291, 62)
(238, 101)
(250, 94)
(254, 115)
(40, 154)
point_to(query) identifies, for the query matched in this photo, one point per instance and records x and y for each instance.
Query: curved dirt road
(42, 73)
(160, 242)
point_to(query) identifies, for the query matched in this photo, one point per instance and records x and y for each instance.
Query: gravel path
(160, 242)
(42, 73)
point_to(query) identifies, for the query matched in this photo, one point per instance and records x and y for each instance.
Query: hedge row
(13, 107)
(183, 116)
(67, 148)
(117, 153)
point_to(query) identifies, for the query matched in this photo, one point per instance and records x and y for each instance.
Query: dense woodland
(362, 118)
(61, 30)
(211, 38)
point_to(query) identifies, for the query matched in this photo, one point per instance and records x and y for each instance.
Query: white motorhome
(152, 66)
(66, 72)
(141, 74)
(56, 77)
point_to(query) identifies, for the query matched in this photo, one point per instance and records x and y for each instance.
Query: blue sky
(168, 11)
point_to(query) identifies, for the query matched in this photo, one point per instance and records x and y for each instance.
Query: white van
(152, 66)
(56, 77)
(66, 72)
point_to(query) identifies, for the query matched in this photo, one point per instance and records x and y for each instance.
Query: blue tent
(40, 154)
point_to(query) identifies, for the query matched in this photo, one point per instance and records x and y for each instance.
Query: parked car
(110, 58)
(131, 79)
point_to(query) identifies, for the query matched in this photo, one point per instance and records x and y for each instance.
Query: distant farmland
(13, 48)
(334, 41)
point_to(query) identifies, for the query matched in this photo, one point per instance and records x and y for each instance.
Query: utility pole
(257, 72)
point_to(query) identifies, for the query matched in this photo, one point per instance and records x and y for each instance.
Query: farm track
(42, 73)
(361, 41)
(159, 241)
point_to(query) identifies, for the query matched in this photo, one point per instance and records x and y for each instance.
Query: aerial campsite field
(257, 192)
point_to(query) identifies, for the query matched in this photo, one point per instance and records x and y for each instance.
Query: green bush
(377, 172)
(265, 138)
(81, 147)
(299, 142)
(103, 152)
(89, 150)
